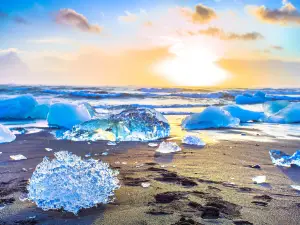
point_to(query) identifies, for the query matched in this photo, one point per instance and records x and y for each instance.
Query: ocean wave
(155, 106)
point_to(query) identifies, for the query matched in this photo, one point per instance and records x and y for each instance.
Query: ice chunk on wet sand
(259, 179)
(280, 158)
(90, 182)
(273, 107)
(17, 157)
(289, 114)
(168, 147)
(211, 117)
(193, 140)
(152, 145)
(6, 135)
(67, 115)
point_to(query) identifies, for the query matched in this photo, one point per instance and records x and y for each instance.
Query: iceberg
(244, 115)
(280, 158)
(258, 97)
(289, 114)
(40, 111)
(89, 182)
(6, 135)
(273, 107)
(17, 108)
(193, 140)
(133, 124)
(211, 117)
(67, 115)
(168, 147)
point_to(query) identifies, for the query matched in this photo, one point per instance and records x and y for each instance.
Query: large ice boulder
(280, 158)
(71, 183)
(211, 117)
(258, 97)
(67, 115)
(273, 107)
(133, 124)
(243, 114)
(18, 107)
(289, 114)
(6, 135)
(40, 111)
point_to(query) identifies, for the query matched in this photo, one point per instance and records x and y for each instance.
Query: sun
(193, 65)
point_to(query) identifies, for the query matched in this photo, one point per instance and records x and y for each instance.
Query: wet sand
(211, 185)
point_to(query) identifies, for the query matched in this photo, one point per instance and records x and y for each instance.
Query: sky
(208, 43)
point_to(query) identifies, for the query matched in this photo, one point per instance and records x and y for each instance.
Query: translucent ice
(48, 149)
(243, 114)
(211, 117)
(71, 183)
(289, 114)
(40, 111)
(258, 97)
(273, 107)
(67, 115)
(6, 135)
(259, 179)
(280, 158)
(168, 147)
(296, 187)
(193, 140)
(152, 145)
(133, 124)
(17, 157)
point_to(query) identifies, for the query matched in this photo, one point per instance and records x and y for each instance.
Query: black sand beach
(211, 185)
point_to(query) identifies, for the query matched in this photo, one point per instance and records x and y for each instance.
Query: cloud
(219, 33)
(287, 14)
(277, 47)
(52, 41)
(9, 50)
(70, 17)
(128, 18)
(201, 14)
(20, 20)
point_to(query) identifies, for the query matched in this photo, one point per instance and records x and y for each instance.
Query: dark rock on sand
(210, 212)
(258, 203)
(266, 198)
(168, 197)
(254, 166)
(130, 181)
(159, 211)
(242, 222)
(186, 221)
(7, 201)
(170, 177)
(228, 208)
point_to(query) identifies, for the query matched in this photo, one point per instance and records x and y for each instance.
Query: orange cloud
(201, 14)
(287, 14)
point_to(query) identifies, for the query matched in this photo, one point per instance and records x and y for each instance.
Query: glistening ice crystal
(71, 183)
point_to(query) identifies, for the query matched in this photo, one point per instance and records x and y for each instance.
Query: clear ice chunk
(145, 184)
(6, 135)
(259, 179)
(17, 157)
(280, 158)
(133, 124)
(168, 147)
(48, 149)
(289, 114)
(244, 115)
(71, 183)
(296, 187)
(193, 140)
(67, 115)
(211, 117)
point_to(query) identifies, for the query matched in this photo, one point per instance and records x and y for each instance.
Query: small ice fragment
(280, 158)
(163, 166)
(111, 143)
(24, 170)
(104, 153)
(2, 206)
(117, 162)
(145, 184)
(88, 155)
(31, 217)
(89, 143)
(152, 144)
(23, 197)
(17, 157)
(168, 147)
(124, 163)
(48, 149)
(296, 187)
(5, 134)
(139, 165)
(0, 153)
(259, 179)
(192, 140)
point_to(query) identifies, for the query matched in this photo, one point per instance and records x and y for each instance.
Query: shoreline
(213, 182)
